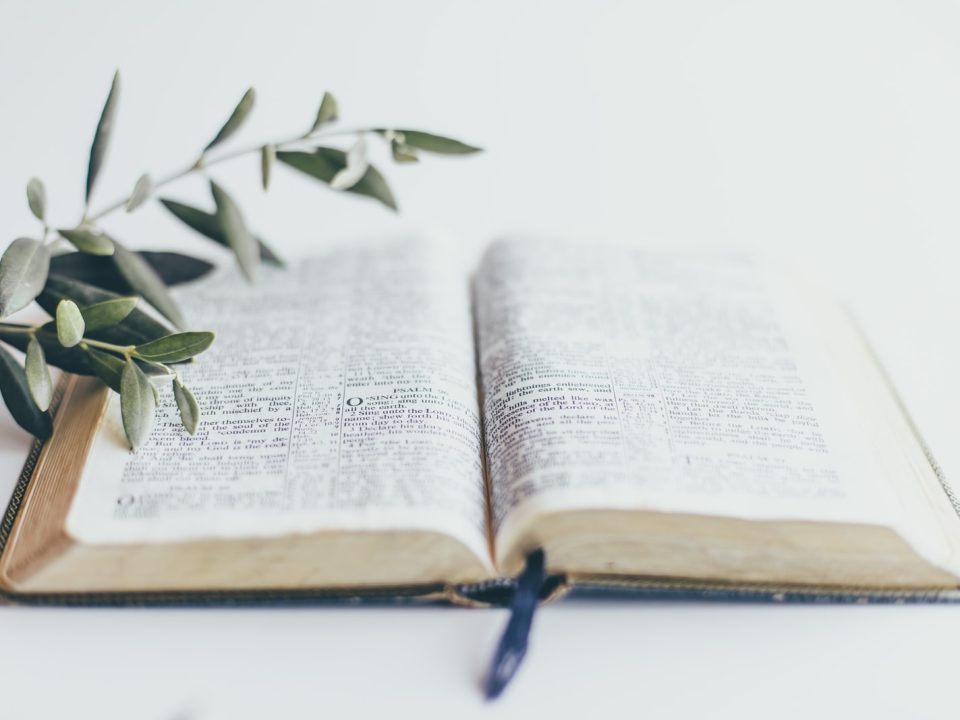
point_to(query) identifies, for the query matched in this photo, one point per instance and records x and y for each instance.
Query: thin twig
(204, 162)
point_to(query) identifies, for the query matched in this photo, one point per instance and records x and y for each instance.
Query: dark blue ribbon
(513, 643)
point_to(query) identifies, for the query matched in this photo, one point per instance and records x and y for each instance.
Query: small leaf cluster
(113, 316)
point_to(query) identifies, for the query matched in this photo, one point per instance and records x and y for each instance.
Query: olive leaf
(101, 138)
(145, 281)
(107, 313)
(16, 396)
(137, 327)
(37, 199)
(431, 143)
(176, 268)
(138, 404)
(206, 224)
(105, 366)
(327, 113)
(176, 348)
(268, 153)
(325, 162)
(402, 152)
(141, 193)
(356, 167)
(235, 120)
(109, 367)
(187, 405)
(89, 240)
(243, 244)
(173, 269)
(69, 323)
(38, 377)
(23, 272)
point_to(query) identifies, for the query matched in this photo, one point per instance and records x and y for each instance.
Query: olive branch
(92, 285)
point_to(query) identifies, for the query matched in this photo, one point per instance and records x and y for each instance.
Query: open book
(378, 418)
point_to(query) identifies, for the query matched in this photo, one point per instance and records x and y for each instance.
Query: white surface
(823, 131)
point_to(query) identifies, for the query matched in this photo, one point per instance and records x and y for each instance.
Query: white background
(825, 132)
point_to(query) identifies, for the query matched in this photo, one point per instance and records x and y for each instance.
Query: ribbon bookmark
(513, 642)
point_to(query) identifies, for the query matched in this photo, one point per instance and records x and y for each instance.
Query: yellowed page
(702, 384)
(340, 393)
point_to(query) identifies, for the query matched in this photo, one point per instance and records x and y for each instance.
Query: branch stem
(125, 350)
(204, 162)
(17, 328)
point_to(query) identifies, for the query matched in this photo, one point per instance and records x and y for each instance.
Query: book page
(617, 378)
(340, 393)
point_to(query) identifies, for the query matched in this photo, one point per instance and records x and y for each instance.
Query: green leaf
(356, 168)
(403, 153)
(177, 347)
(141, 193)
(16, 395)
(37, 198)
(69, 323)
(101, 138)
(235, 120)
(327, 113)
(138, 404)
(268, 153)
(203, 222)
(243, 244)
(107, 313)
(89, 240)
(138, 327)
(324, 163)
(105, 366)
(38, 377)
(173, 269)
(23, 272)
(431, 143)
(109, 368)
(144, 280)
(187, 405)
(206, 224)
